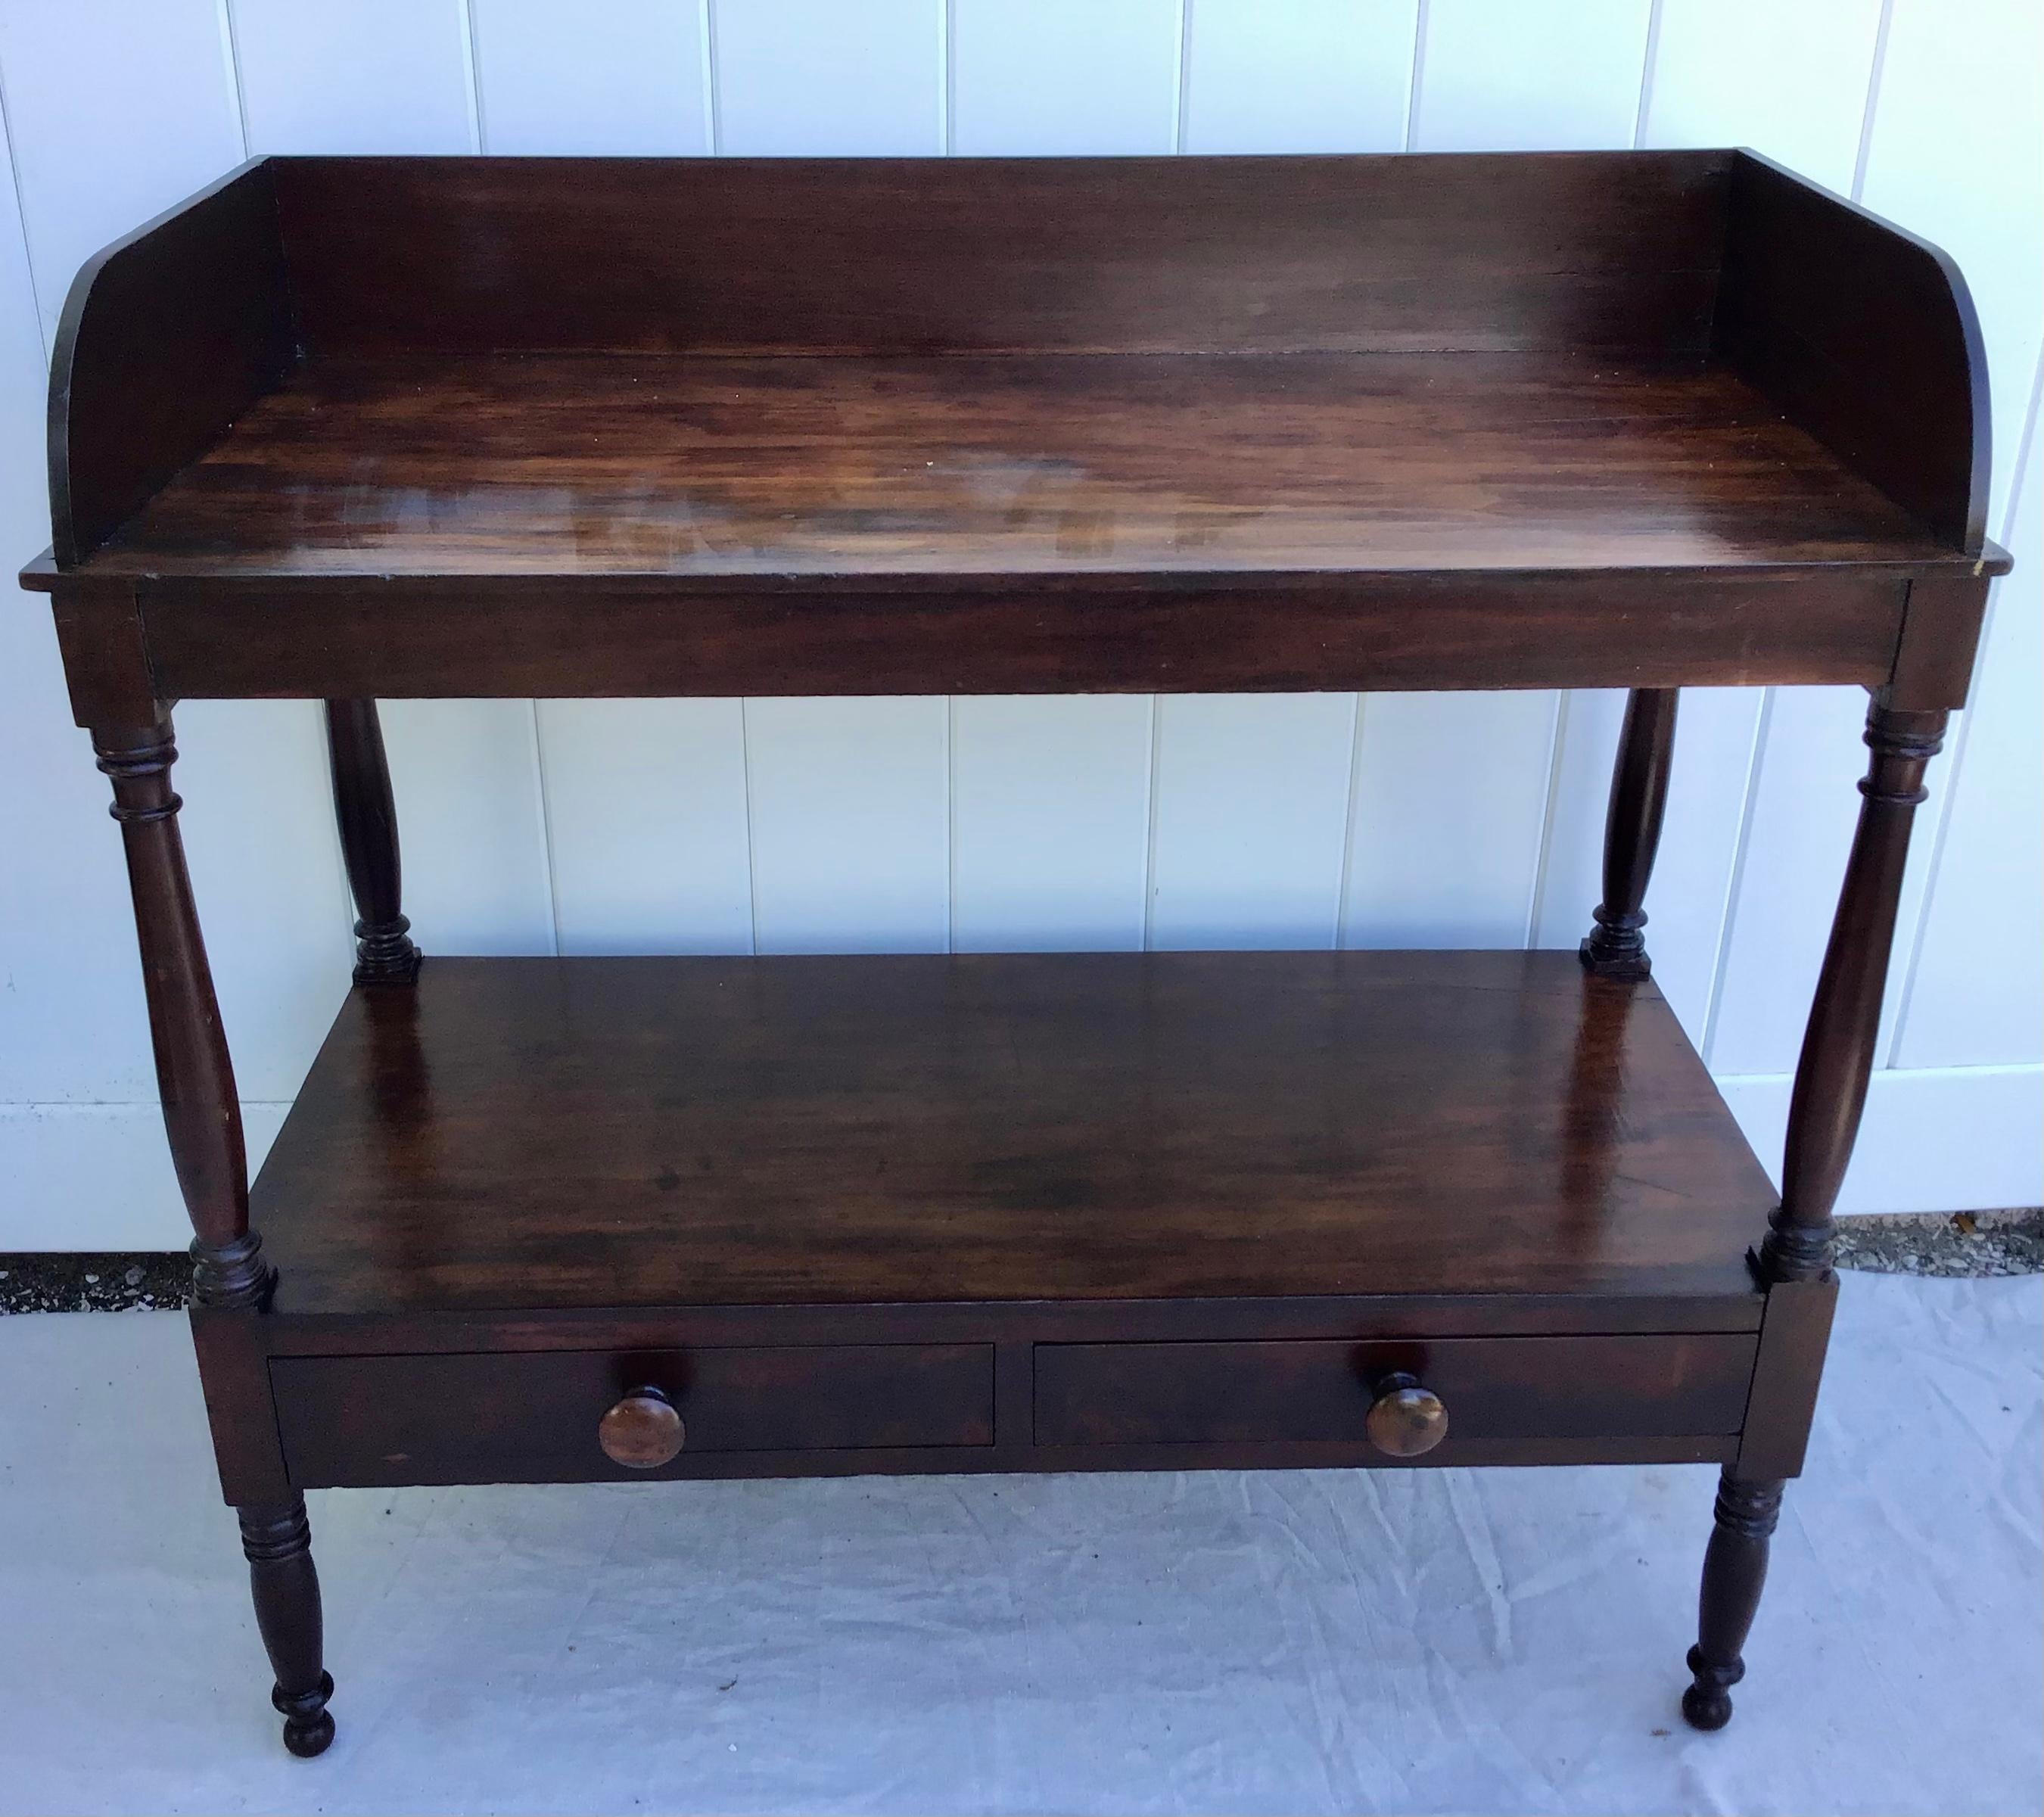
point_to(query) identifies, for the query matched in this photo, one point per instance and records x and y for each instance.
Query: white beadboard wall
(784, 826)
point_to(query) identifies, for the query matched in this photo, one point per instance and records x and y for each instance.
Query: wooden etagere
(348, 429)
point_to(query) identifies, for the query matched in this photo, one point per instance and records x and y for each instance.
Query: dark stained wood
(589, 465)
(1492, 1388)
(166, 337)
(277, 1543)
(428, 638)
(1866, 336)
(1837, 1057)
(1260, 422)
(838, 1131)
(232, 1344)
(1609, 250)
(107, 665)
(1514, 1451)
(1940, 632)
(1616, 948)
(1510, 1452)
(890, 1408)
(1351, 1315)
(202, 1114)
(1794, 1333)
(353, 428)
(1734, 1573)
(535, 1417)
(368, 820)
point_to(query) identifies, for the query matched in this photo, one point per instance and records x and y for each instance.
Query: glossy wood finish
(1865, 335)
(540, 1416)
(430, 638)
(1003, 1128)
(1616, 946)
(1837, 1057)
(535, 1417)
(202, 1114)
(642, 1431)
(277, 1544)
(1614, 251)
(587, 465)
(1796, 1330)
(354, 428)
(166, 337)
(1734, 1573)
(1437, 388)
(367, 816)
(1940, 641)
(1324, 1392)
(1406, 1420)
(1795, 1262)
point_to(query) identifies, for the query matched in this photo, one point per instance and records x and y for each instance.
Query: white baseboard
(94, 1177)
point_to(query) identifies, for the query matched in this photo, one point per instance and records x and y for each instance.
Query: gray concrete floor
(1441, 1641)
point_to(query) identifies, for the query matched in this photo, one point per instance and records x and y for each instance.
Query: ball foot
(1707, 1703)
(1705, 1710)
(308, 1727)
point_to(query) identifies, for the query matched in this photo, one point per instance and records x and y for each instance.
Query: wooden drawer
(532, 1417)
(1498, 1393)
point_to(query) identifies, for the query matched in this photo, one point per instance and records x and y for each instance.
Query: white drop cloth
(1319, 1641)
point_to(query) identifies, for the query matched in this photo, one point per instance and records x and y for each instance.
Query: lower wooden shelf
(1005, 1213)
(555, 1134)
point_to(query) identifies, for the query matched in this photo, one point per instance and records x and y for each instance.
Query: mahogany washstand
(344, 428)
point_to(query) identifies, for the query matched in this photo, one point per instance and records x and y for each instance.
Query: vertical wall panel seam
(1910, 935)
(546, 826)
(22, 213)
(947, 76)
(1413, 86)
(1557, 723)
(951, 823)
(1182, 86)
(1735, 886)
(230, 48)
(713, 110)
(335, 845)
(1149, 829)
(1955, 765)
(472, 75)
(1648, 59)
(230, 51)
(751, 868)
(1348, 830)
(1875, 70)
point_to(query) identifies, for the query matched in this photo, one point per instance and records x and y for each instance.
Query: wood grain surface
(556, 1134)
(593, 465)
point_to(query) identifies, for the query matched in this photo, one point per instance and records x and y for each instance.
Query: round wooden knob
(1405, 1419)
(643, 1431)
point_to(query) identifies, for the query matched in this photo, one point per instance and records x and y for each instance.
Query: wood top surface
(1020, 465)
(591, 1133)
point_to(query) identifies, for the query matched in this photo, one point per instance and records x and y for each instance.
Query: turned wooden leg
(1836, 1059)
(368, 817)
(277, 1543)
(201, 1114)
(202, 1117)
(1616, 946)
(1824, 1112)
(1735, 1569)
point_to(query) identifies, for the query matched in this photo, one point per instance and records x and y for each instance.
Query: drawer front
(1496, 1391)
(532, 1417)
